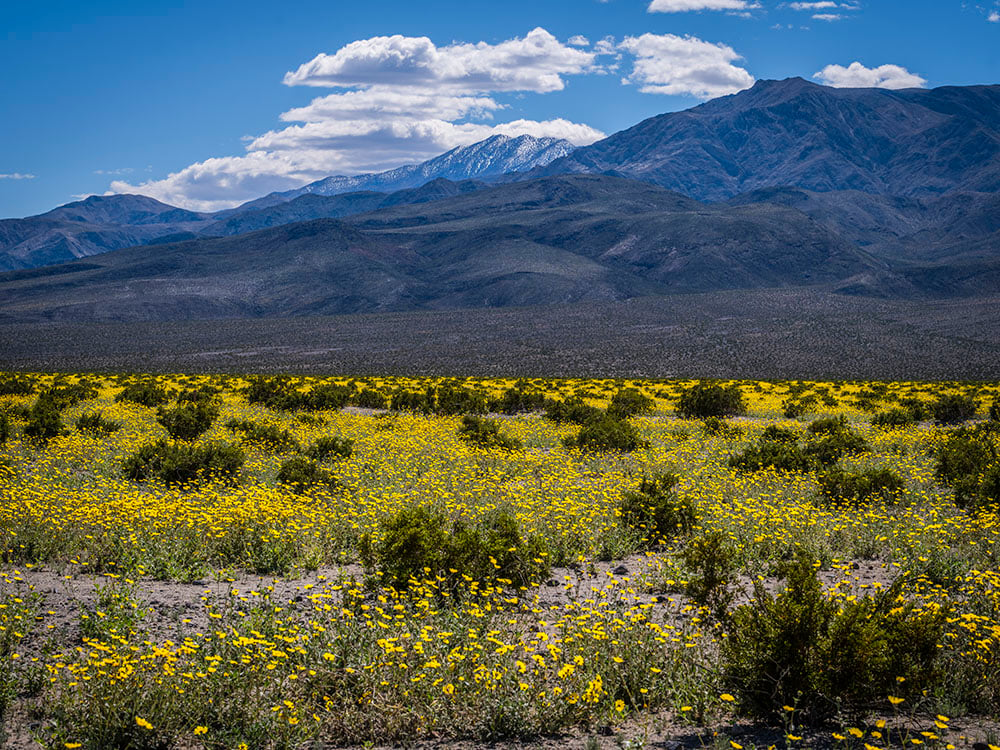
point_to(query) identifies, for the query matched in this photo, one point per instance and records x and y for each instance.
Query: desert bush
(4, 428)
(419, 543)
(300, 473)
(832, 446)
(655, 509)
(895, 417)
(44, 420)
(952, 408)
(518, 399)
(201, 393)
(369, 398)
(486, 433)
(16, 386)
(802, 649)
(176, 463)
(606, 434)
(629, 402)
(793, 409)
(880, 483)
(969, 462)
(415, 401)
(269, 436)
(710, 400)
(720, 427)
(774, 453)
(330, 445)
(994, 412)
(188, 420)
(712, 563)
(95, 422)
(450, 400)
(146, 393)
(573, 410)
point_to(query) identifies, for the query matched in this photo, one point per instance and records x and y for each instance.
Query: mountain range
(887, 194)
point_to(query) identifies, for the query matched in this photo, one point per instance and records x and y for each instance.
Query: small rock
(605, 730)
(552, 583)
(621, 570)
(672, 745)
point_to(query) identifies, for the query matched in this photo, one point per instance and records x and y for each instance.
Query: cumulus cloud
(578, 41)
(401, 100)
(857, 75)
(994, 17)
(682, 6)
(16, 176)
(669, 64)
(535, 63)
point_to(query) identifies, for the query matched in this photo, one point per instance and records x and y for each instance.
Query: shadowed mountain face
(555, 240)
(794, 133)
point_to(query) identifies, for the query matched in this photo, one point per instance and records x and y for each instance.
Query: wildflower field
(224, 562)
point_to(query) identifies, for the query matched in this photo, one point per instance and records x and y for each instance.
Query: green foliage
(280, 394)
(176, 463)
(994, 413)
(330, 445)
(145, 392)
(777, 454)
(606, 434)
(832, 446)
(65, 396)
(802, 649)
(419, 543)
(518, 399)
(4, 428)
(895, 417)
(269, 436)
(486, 433)
(826, 441)
(44, 420)
(573, 410)
(629, 402)
(94, 422)
(369, 398)
(115, 611)
(13, 385)
(969, 462)
(710, 400)
(712, 563)
(793, 409)
(656, 510)
(720, 428)
(201, 393)
(879, 483)
(952, 408)
(188, 420)
(300, 473)
(450, 399)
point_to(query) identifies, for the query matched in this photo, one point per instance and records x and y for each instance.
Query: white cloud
(994, 17)
(669, 64)
(114, 172)
(827, 16)
(16, 176)
(535, 63)
(820, 5)
(404, 100)
(682, 6)
(578, 41)
(857, 75)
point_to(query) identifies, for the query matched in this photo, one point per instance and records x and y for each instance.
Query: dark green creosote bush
(656, 511)
(176, 463)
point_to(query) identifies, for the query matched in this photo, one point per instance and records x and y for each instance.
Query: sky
(208, 103)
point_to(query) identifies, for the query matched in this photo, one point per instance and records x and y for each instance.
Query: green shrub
(144, 392)
(969, 462)
(803, 649)
(629, 402)
(953, 408)
(413, 401)
(65, 396)
(518, 399)
(94, 422)
(573, 410)
(201, 393)
(710, 400)
(486, 433)
(269, 436)
(720, 428)
(189, 420)
(330, 445)
(175, 463)
(655, 509)
(994, 412)
(16, 386)
(832, 446)
(712, 563)
(4, 428)
(778, 454)
(895, 417)
(828, 425)
(776, 434)
(606, 434)
(300, 473)
(370, 398)
(793, 409)
(419, 543)
(44, 420)
(879, 483)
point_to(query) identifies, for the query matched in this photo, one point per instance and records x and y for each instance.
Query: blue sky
(207, 104)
